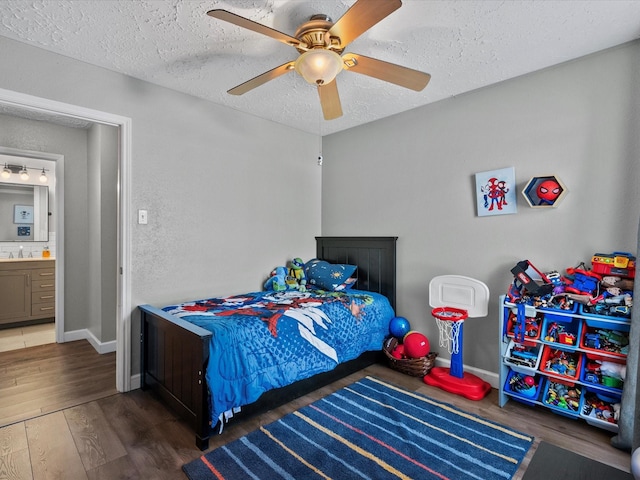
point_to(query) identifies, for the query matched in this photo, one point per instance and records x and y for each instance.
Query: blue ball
(399, 327)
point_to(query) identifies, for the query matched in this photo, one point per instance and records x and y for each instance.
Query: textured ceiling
(463, 44)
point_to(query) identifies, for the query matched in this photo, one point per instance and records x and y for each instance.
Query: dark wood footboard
(174, 357)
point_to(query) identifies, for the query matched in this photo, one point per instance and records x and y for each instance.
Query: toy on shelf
(523, 327)
(561, 362)
(603, 409)
(581, 282)
(558, 333)
(522, 356)
(600, 371)
(622, 264)
(540, 290)
(563, 396)
(614, 342)
(521, 384)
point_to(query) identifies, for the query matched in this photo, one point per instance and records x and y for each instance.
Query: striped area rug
(370, 430)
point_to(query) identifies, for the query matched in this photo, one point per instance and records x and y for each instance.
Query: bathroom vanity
(27, 291)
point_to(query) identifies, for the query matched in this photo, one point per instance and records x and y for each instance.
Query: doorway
(26, 104)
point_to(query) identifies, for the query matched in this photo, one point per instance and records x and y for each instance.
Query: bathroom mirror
(24, 213)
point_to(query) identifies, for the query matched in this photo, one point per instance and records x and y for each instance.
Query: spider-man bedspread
(266, 340)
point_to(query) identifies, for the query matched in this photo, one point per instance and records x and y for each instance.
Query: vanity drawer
(43, 297)
(44, 274)
(43, 285)
(43, 310)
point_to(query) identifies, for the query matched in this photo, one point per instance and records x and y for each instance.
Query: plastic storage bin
(560, 307)
(605, 338)
(523, 387)
(562, 397)
(560, 362)
(606, 311)
(523, 357)
(561, 331)
(604, 373)
(600, 410)
(514, 328)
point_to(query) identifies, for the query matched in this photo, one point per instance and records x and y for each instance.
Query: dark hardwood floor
(47, 378)
(133, 436)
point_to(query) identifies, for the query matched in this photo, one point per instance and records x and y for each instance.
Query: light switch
(142, 217)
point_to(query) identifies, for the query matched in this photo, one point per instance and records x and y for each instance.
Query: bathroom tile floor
(28, 336)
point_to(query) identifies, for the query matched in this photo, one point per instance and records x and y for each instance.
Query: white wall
(229, 195)
(412, 175)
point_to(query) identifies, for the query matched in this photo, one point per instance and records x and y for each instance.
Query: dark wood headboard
(374, 256)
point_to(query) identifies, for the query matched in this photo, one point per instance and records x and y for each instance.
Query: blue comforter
(266, 340)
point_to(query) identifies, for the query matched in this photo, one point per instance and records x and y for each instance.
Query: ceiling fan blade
(388, 72)
(254, 26)
(362, 15)
(330, 100)
(261, 79)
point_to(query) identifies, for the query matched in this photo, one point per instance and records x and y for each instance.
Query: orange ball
(416, 345)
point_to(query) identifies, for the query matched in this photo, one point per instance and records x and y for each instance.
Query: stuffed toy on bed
(296, 279)
(277, 280)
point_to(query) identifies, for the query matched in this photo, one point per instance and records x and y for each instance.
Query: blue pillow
(329, 276)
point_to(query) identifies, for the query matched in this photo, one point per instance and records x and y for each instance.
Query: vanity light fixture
(24, 175)
(23, 172)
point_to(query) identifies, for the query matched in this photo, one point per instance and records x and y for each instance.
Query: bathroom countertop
(34, 259)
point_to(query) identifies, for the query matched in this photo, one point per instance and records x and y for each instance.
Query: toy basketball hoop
(456, 298)
(449, 321)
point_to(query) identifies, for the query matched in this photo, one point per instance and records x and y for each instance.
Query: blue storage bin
(602, 373)
(562, 397)
(561, 331)
(592, 311)
(523, 387)
(572, 309)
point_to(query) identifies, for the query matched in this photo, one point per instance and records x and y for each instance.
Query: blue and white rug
(370, 429)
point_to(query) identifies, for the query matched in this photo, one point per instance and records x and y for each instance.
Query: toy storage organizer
(569, 361)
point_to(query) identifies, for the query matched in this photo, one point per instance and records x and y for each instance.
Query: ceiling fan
(321, 42)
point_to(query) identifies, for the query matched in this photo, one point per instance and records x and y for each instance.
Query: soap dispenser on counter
(46, 253)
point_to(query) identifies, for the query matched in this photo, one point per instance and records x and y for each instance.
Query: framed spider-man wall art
(547, 191)
(496, 192)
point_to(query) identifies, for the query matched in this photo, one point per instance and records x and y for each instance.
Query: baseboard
(136, 381)
(491, 377)
(85, 334)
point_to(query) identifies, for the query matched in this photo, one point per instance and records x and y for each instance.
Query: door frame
(124, 124)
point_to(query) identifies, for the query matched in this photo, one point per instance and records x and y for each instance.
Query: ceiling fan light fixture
(319, 66)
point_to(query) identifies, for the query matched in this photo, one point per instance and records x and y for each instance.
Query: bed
(176, 352)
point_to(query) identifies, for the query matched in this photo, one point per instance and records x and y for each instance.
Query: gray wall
(229, 195)
(412, 175)
(102, 185)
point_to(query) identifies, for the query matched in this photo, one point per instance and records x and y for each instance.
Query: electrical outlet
(142, 217)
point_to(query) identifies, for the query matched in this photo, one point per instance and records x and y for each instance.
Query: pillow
(329, 276)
